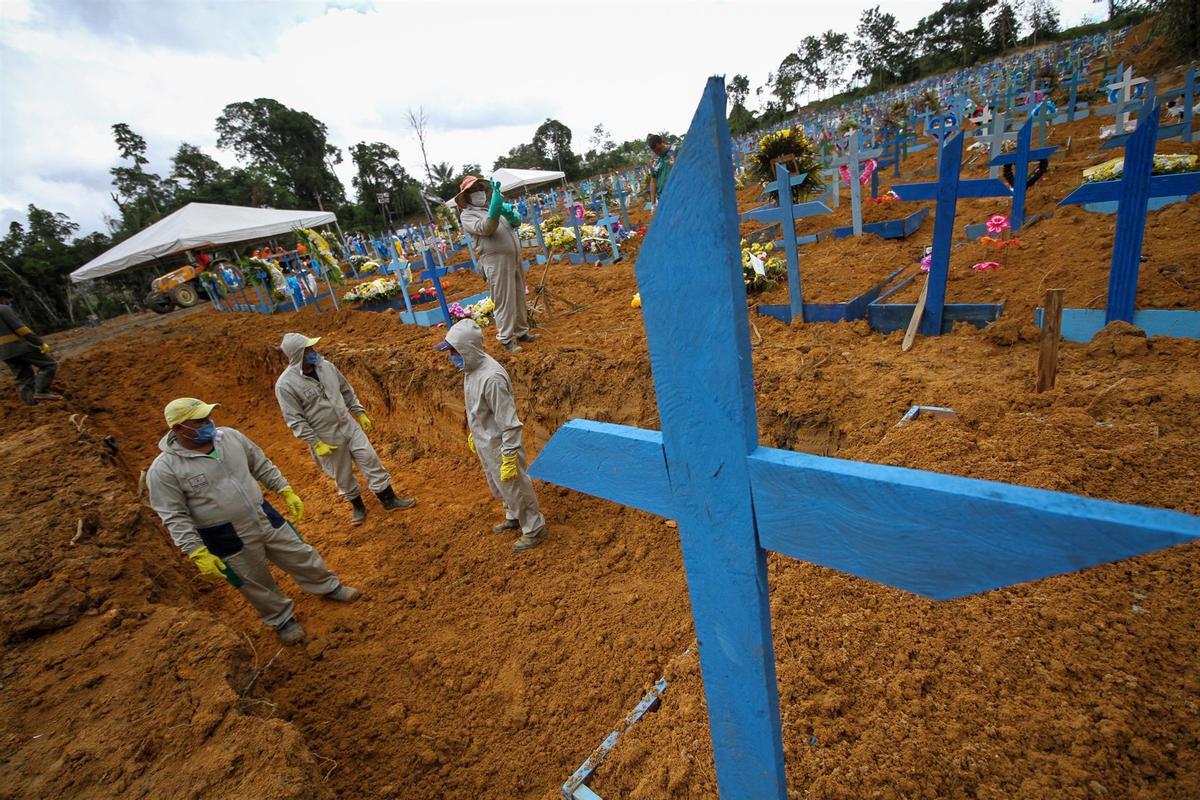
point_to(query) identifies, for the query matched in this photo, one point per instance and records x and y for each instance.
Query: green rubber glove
(508, 466)
(323, 449)
(510, 214)
(497, 203)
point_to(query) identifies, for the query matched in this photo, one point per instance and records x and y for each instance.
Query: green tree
(1042, 17)
(876, 43)
(552, 140)
(196, 171)
(1180, 20)
(289, 145)
(834, 57)
(1003, 32)
(138, 194)
(378, 171)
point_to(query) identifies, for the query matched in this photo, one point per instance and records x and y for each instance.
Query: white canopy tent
(198, 225)
(516, 181)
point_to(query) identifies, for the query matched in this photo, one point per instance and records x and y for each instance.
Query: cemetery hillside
(863, 425)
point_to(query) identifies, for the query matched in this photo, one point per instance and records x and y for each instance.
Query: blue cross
(786, 213)
(852, 159)
(1144, 104)
(535, 218)
(1132, 192)
(946, 192)
(1020, 159)
(937, 535)
(609, 224)
(622, 193)
(942, 126)
(1073, 103)
(1186, 95)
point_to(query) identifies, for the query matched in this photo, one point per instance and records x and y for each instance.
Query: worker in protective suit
(204, 484)
(320, 407)
(495, 432)
(493, 223)
(26, 355)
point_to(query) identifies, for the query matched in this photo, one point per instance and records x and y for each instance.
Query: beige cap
(184, 408)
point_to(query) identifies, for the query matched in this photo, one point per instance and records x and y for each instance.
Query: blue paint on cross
(946, 192)
(1020, 159)
(938, 535)
(1135, 188)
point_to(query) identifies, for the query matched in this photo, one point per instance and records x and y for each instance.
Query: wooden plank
(915, 321)
(1051, 332)
(827, 511)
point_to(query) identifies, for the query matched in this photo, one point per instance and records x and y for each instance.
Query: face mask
(478, 198)
(204, 434)
(457, 360)
(312, 359)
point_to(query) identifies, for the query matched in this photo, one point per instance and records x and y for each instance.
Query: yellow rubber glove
(211, 568)
(294, 503)
(45, 349)
(508, 467)
(324, 449)
(471, 443)
(365, 422)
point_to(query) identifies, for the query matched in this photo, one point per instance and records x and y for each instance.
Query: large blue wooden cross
(1135, 188)
(946, 192)
(938, 535)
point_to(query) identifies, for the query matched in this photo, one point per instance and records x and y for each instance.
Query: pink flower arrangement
(997, 224)
(926, 263)
(984, 266)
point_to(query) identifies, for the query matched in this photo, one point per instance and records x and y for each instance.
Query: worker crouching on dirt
(495, 435)
(204, 485)
(493, 224)
(317, 403)
(26, 355)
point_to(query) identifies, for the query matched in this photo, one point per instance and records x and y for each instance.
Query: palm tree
(442, 173)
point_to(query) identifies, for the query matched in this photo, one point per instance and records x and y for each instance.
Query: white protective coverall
(320, 408)
(499, 255)
(213, 500)
(492, 417)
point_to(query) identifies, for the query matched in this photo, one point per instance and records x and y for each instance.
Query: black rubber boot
(508, 525)
(390, 502)
(360, 511)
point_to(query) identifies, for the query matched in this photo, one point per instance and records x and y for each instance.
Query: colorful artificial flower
(926, 263)
(984, 266)
(997, 224)
(636, 302)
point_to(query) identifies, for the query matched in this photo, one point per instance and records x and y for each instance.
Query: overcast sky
(487, 74)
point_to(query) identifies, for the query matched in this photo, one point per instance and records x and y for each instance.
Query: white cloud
(486, 73)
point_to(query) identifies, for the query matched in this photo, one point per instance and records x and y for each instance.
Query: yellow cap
(311, 342)
(184, 408)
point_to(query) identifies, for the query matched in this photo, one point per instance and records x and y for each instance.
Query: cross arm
(1182, 184)
(616, 462)
(1035, 154)
(983, 187)
(916, 191)
(942, 536)
(777, 213)
(936, 535)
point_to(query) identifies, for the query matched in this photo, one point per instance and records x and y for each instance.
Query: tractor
(180, 287)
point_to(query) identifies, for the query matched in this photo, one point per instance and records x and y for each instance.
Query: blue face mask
(204, 434)
(457, 360)
(313, 359)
